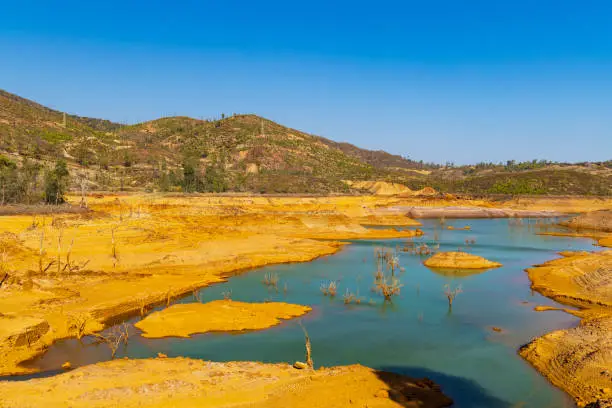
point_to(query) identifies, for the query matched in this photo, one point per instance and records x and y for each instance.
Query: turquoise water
(415, 335)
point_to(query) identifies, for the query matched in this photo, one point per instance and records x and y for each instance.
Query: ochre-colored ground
(183, 320)
(70, 274)
(578, 360)
(561, 204)
(597, 221)
(133, 251)
(182, 382)
(459, 260)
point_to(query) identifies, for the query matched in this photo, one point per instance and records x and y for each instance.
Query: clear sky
(461, 81)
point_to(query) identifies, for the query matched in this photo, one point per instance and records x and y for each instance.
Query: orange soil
(577, 360)
(459, 260)
(182, 382)
(183, 320)
(135, 251)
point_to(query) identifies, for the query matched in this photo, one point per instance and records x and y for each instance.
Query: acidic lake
(416, 334)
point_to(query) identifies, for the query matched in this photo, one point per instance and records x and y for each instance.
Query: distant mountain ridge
(252, 154)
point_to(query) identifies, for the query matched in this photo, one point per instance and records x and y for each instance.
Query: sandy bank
(578, 360)
(182, 382)
(459, 260)
(596, 220)
(580, 279)
(183, 320)
(474, 212)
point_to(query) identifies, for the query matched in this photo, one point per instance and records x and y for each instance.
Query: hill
(252, 154)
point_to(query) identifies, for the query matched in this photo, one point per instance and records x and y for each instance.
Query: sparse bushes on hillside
(56, 183)
(517, 186)
(20, 184)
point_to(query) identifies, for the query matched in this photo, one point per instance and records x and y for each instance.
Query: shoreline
(141, 280)
(107, 318)
(452, 212)
(204, 242)
(180, 381)
(576, 360)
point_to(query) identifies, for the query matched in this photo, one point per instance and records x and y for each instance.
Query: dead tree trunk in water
(309, 361)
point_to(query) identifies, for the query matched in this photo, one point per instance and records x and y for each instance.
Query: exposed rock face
(380, 187)
(182, 382)
(459, 260)
(578, 360)
(183, 320)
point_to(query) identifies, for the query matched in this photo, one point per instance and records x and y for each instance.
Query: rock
(67, 365)
(252, 168)
(545, 308)
(161, 355)
(382, 394)
(299, 365)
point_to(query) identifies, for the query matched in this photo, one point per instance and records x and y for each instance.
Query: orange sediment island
(183, 382)
(459, 260)
(183, 320)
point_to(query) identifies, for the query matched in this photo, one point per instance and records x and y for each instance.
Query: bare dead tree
(114, 337)
(329, 288)
(143, 306)
(78, 323)
(309, 361)
(168, 297)
(227, 295)
(83, 185)
(43, 266)
(4, 268)
(271, 280)
(114, 254)
(387, 287)
(71, 265)
(59, 250)
(451, 294)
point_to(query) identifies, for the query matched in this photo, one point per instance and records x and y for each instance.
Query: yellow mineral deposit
(183, 320)
(459, 260)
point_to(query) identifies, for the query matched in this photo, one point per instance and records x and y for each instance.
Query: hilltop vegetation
(247, 153)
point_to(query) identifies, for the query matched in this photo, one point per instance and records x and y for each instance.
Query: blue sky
(461, 81)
